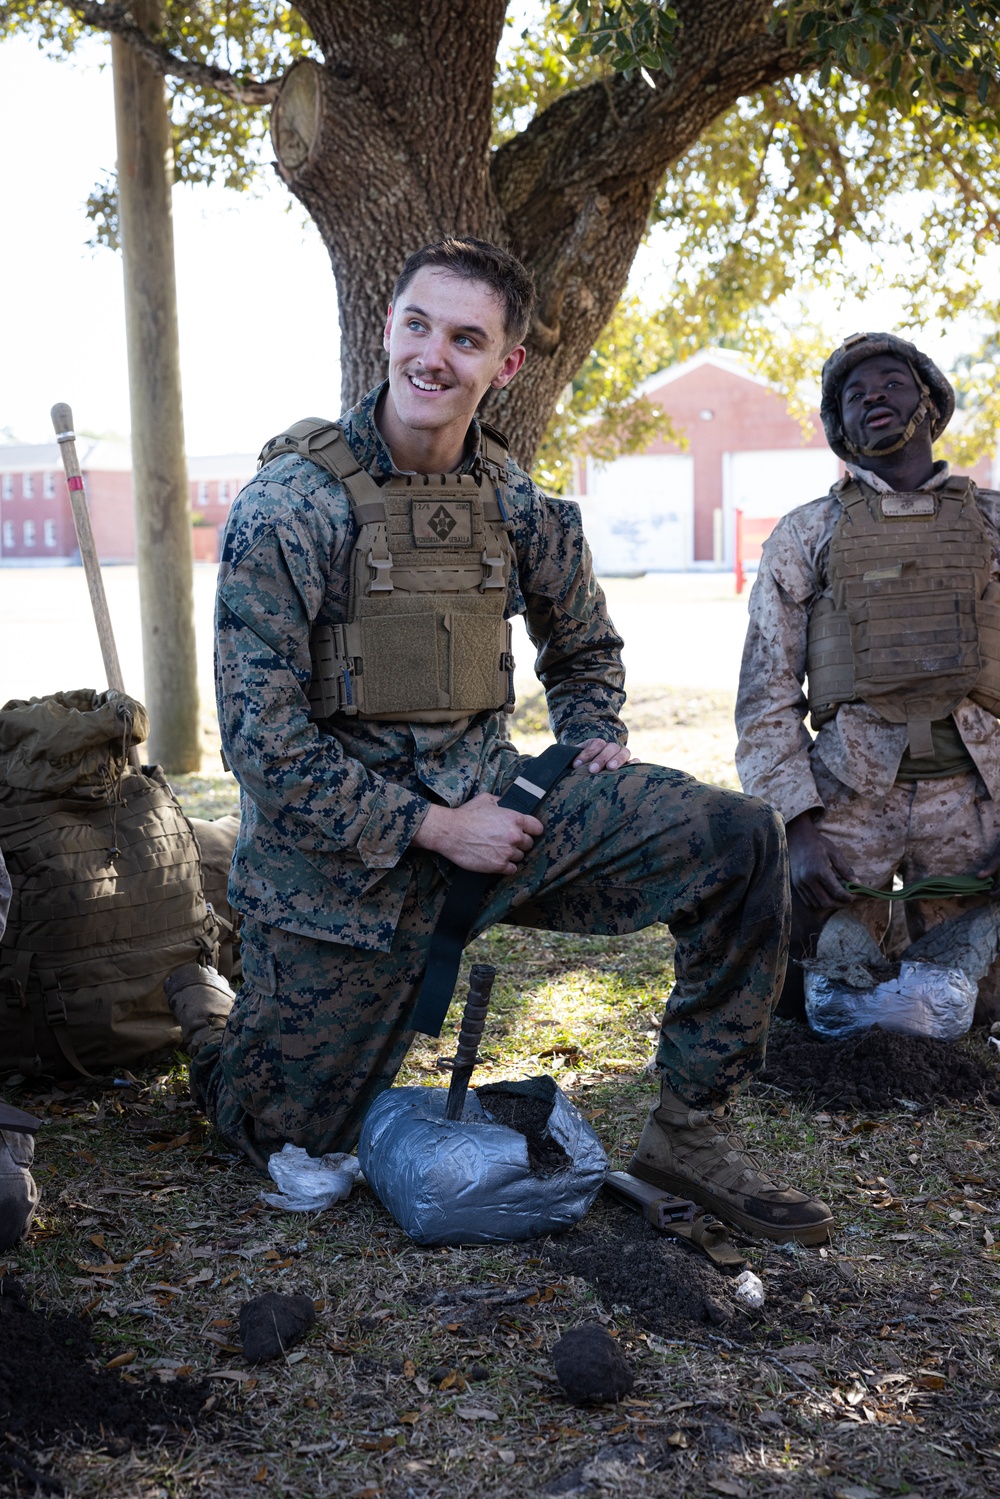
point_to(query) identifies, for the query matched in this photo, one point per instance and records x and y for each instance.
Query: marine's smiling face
(447, 345)
(877, 400)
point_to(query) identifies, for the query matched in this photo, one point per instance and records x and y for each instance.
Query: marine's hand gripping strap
(468, 890)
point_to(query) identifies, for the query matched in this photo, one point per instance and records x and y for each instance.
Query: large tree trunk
(159, 465)
(388, 146)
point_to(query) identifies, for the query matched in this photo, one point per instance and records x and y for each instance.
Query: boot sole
(812, 1233)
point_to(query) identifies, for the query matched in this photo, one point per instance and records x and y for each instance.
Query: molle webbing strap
(468, 891)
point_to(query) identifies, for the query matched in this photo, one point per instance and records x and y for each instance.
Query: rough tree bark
(159, 466)
(387, 145)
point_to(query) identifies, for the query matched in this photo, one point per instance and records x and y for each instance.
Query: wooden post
(159, 466)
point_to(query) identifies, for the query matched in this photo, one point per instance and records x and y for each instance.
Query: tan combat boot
(200, 1001)
(685, 1151)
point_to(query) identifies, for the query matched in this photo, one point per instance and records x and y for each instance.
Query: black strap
(467, 893)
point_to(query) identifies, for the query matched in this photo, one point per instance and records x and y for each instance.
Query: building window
(29, 533)
(28, 486)
(48, 486)
(50, 533)
(223, 492)
(202, 492)
(8, 535)
(8, 486)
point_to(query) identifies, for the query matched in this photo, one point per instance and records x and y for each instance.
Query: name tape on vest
(902, 506)
(442, 523)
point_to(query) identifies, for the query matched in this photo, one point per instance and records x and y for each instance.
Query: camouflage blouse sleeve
(284, 539)
(579, 661)
(772, 756)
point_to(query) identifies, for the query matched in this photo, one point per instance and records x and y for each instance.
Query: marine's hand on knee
(817, 867)
(480, 835)
(599, 754)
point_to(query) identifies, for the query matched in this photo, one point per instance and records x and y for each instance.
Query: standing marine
(876, 611)
(369, 575)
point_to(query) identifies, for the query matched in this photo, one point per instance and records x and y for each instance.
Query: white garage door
(638, 513)
(772, 482)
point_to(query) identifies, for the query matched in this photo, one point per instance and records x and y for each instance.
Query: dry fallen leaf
(161, 1145)
(261, 1473)
(409, 1369)
(121, 1360)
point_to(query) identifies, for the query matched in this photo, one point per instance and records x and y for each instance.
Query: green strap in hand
(943, 886)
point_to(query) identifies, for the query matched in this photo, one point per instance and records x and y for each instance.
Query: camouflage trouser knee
(319, 1030)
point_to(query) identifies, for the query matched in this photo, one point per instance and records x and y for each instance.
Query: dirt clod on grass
(591, 1367)
(876, 1070)
(52, 1382)
(272, 1324)
(667, 1288)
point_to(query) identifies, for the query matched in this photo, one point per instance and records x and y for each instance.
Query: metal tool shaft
(473, 1022)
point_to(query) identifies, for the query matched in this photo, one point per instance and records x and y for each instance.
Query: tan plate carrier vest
(913, 625)
(425, 639)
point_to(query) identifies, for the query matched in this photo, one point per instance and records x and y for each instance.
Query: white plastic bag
(925, 1000)
(469, 1180)
(308, 1183)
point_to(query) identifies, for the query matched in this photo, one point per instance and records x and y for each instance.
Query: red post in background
(738, 548)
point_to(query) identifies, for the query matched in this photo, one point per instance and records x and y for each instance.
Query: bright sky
(257, 308)
(258, 318)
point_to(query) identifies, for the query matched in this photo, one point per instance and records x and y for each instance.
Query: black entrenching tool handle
(473, 1022)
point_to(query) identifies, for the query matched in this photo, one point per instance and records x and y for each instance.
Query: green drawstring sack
(107, 889)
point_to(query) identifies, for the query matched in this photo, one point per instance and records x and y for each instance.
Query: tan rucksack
(107, 888)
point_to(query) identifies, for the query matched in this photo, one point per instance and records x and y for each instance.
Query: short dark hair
(478, 260)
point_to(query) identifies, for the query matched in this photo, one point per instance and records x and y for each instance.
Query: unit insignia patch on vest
(442, 523)
(902, 506)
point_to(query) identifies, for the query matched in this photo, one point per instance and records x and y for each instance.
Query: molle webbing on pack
(107, 899)
(425, 639)
(913, 625)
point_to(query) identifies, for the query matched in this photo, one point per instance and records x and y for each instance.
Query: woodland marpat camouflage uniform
(944, 822)
(338, 909)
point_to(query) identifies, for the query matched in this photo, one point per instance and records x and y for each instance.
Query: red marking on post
(76, 483)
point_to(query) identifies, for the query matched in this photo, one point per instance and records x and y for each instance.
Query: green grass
(894, 1394)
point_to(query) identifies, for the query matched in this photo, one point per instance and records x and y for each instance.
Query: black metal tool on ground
(473, 1020)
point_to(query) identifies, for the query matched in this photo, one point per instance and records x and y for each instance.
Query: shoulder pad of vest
(309, 438)
(494, 434)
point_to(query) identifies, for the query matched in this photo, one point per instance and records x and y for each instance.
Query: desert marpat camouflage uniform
(339, 911)
(847, 774)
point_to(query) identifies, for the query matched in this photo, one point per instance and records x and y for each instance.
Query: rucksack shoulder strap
(324, 443)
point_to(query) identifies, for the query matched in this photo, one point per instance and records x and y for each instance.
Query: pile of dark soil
(527, 1112)
(874, 1070)
(52, 1382)
(668, 1288)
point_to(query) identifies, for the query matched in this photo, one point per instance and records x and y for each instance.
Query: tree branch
(114, 18)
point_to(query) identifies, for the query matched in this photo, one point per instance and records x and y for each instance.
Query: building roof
(107, 455)
(730, 360)
(96, 454)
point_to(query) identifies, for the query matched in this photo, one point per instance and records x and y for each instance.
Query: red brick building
(36, 521)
